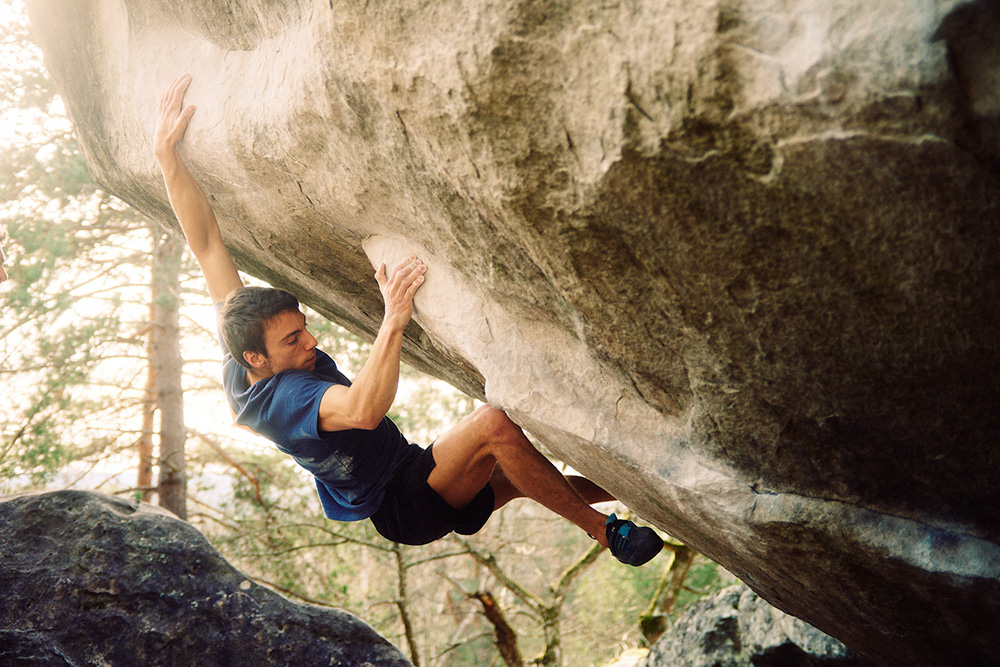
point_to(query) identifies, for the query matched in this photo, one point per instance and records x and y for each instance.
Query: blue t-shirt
(351, 467)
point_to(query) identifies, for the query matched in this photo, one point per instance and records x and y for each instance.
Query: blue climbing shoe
(629, 543)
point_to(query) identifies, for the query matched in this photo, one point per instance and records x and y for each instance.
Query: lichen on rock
(89, 579)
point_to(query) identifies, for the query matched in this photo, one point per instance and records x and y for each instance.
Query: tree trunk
(506, 637)
(653, 622)
(167, 362)
(144, 479)
(403, 606)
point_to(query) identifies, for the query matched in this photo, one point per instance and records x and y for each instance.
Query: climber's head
(265, 332)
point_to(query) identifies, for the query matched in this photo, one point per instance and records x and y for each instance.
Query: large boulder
(88, 579)
(736, 628)
(734, 260)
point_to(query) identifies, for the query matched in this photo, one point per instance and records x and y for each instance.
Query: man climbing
(280, 386)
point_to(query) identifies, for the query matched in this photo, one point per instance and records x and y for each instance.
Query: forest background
(110, 364)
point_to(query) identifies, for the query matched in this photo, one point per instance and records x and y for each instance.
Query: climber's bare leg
(504, 491)
(466, 459)
(591, 492)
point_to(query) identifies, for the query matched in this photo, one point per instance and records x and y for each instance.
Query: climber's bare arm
(368, 399)
(190, 205)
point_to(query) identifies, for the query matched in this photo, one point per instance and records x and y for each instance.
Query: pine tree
(75, 315)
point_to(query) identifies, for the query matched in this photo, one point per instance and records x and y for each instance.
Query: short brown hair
(244, 312)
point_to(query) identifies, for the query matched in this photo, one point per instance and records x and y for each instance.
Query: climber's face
(289, 346)
(3, 272)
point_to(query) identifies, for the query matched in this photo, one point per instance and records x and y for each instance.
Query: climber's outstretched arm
(190, 205)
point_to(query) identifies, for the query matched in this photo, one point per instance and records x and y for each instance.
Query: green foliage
(704, 578)
(56, 220)
(271, 526)
(24, 80)
(75, 311)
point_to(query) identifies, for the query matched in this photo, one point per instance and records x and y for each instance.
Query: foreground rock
(736, 628)
(87, 579)
(735, 260)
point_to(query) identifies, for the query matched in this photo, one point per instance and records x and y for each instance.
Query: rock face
(87, 579)
(734, 260)
(736, 628)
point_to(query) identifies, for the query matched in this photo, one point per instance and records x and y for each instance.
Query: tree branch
(490, 562)
(231, 461)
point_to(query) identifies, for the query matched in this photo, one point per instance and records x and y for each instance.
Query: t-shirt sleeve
(286, 408)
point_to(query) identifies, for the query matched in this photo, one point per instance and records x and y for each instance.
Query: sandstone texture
(88, 579)
(734, 260)
(736, 628)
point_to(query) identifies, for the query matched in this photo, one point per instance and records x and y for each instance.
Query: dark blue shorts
(413, 513)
